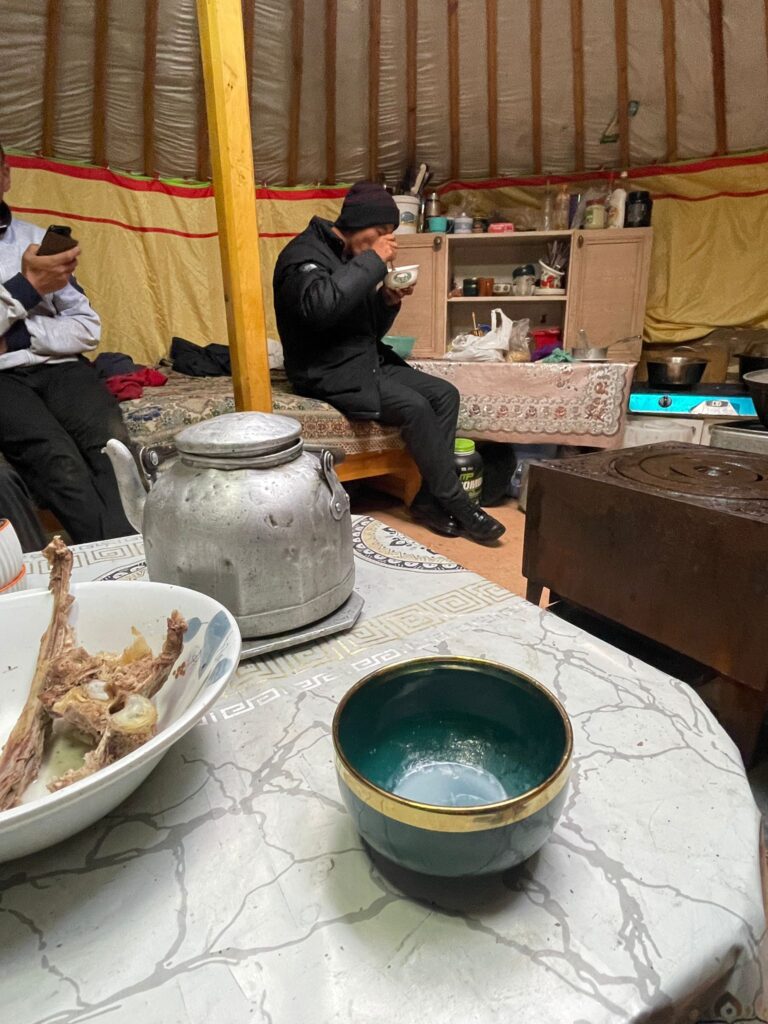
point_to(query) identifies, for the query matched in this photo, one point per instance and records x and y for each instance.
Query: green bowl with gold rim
(452, 766)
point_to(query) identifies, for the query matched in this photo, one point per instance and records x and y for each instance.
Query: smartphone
(58, 238)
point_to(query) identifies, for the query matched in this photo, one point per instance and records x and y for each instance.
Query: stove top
(704, 473)
(731, 399)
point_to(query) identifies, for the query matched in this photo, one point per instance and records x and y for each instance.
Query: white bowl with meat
(80, 729)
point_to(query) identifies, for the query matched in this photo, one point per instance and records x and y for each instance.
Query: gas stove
(703, 400)
(741, 436)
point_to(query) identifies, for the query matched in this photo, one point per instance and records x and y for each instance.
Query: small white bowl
(11, 556)
(103, 614)
(402, 277)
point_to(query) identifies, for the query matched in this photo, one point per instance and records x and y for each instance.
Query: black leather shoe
(479, 526)
(435, 519)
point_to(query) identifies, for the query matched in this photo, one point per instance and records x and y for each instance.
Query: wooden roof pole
(229, 126)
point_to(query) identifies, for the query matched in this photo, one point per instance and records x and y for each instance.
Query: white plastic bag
(487, 348)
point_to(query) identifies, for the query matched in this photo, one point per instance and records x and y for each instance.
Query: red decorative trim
(141, 229)
(712, 195)
(654, 171)
(192, 191)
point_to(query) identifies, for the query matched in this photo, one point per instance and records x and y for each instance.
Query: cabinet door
(422, 315)
(607, 286)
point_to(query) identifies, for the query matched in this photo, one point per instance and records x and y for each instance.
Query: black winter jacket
(331, 320)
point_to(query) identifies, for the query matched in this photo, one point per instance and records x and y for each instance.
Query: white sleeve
(74, 329)
(10, 311)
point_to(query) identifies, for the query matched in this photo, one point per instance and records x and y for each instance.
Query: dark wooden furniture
(671, 541)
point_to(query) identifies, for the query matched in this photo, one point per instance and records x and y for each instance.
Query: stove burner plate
(710, 473)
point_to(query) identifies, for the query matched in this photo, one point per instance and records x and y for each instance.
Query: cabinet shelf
(509, 298)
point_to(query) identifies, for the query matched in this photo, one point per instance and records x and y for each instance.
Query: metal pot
(675, 371)
(590, 355)
(757, 382)
(248, 517)
(755, 358)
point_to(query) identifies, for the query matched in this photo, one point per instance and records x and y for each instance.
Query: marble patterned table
(231, 887)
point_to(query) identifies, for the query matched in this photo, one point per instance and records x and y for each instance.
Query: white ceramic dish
(103, 614)
(11, 557)
(19, 582)
(549, 291)
(402, 277)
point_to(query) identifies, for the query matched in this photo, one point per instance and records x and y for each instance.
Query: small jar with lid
(594, 214)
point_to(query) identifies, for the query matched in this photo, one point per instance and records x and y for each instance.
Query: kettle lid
(239, 434)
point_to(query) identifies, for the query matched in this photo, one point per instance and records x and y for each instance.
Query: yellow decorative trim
(434, 818)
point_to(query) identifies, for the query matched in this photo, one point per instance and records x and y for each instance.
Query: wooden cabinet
(422, 315)
(606, 286)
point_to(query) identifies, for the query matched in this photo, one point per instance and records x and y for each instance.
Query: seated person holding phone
(55, 414)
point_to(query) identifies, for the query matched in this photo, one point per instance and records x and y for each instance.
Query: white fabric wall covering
(176, 90)
(22, 45)
(271, 88)
(312, 111)
(73, 133)
(557, 135)
(514, 70)
(432, 124)
(22, 61)
(746, 72)
(352, 90)
(392, 92)
(695, 95)
(125, 83)
(473, 89)
(600, 78)
(648, 128)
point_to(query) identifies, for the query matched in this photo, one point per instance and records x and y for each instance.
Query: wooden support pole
(150, 75)
(453, 86)
(718, 74)
(491, 50)
(411, 95)
(670, 75)
(622, 78)
(249, 19)
(203, 154)
(330, 91)
(50, 80)
(765, 2)
(374, 73)
(535, 7)
(223, 52)
(100, 63)
(297, 71)
(577, 59)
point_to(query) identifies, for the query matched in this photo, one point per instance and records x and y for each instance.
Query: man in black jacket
(332, 314)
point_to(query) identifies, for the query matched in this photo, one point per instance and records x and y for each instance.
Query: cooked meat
(86, 707)
(126, 729)
(23, 751)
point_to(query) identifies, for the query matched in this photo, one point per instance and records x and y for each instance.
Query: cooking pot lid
(239, 434)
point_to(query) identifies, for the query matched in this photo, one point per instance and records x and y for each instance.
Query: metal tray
(342, 619)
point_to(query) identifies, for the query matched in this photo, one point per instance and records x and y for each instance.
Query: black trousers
(54, 420)
(426, 409)
(17, 506)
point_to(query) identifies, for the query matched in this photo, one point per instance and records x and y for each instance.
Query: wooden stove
(671, 541)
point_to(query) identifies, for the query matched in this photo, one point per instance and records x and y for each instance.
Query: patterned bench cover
(162, 412)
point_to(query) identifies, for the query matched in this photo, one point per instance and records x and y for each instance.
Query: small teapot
(245, 515)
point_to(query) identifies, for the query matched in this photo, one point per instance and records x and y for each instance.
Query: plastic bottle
(561, 210)
(469, 466)
(617, 205)
(547, 211)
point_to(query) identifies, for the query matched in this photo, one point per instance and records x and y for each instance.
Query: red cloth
(131, 385)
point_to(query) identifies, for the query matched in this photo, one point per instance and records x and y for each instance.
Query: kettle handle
(151, 457)
(339, 498)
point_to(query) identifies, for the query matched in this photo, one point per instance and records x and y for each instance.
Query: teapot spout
(132, 492)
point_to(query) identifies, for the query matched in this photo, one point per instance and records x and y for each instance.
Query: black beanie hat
(367, 205)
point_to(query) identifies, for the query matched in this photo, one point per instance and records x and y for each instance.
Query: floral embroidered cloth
(540, 403)
(525, 403)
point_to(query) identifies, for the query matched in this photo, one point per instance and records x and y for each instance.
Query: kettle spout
(132, 493)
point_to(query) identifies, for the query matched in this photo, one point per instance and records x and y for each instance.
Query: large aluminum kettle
(248, 517)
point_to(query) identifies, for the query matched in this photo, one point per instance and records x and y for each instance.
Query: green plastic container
(401, 344)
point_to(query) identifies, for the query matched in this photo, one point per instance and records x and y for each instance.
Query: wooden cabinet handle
(580, 241)
(437, 243)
